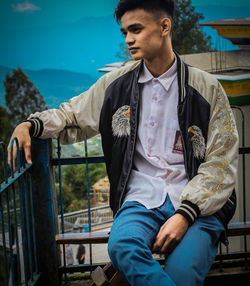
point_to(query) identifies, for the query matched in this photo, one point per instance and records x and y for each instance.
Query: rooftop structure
(235, 30)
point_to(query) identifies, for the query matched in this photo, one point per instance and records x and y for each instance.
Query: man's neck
(160, 65)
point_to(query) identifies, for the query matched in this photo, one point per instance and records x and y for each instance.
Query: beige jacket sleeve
(216, 177)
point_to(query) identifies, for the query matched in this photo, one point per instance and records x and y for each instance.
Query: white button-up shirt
(158, 167)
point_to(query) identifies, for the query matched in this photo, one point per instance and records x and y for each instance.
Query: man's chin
(136, 57)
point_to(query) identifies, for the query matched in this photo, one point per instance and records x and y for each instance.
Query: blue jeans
(133, 234)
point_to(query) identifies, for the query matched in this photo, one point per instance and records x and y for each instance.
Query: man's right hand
(22, 134)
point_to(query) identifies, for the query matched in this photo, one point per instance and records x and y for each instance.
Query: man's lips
(133, 50)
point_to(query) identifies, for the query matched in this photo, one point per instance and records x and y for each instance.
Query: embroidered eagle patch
(198, 142)
(121, 122)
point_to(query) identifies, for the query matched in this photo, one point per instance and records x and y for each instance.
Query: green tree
(75, 184)
(21, 96)
(4, 136)
(124, 53)
(187, 36)
(4, 124)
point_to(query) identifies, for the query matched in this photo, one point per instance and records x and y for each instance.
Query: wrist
(26, 124)
(182, 218)
(188, 210)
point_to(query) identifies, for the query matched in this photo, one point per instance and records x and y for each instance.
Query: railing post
(45, 212)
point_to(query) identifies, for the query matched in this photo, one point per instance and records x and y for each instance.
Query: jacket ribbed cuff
(36, 126)
(189, 210)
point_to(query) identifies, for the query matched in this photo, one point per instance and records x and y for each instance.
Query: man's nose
(129, 39)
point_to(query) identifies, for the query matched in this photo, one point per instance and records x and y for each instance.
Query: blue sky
(219, 3)
(76, 35)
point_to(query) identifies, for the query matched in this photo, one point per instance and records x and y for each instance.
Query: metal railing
(28, 252)
(17, 224)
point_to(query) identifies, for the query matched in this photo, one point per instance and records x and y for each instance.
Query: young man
(170, 144)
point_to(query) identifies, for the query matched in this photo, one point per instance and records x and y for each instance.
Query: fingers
(165, 244)
(8, 150)
(159, 242)
(12, 155)
(21, 133)
(170, 234)
(27, 152)
(169, 245)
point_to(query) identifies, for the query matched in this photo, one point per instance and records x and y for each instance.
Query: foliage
(187, 36)
(22, 97)
(124, 53)
(4, 136)
(4, 124)
(75, 184)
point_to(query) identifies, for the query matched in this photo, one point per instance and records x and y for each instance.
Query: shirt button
(152, 124)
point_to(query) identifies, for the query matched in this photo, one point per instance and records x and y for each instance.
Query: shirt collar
(165, 79)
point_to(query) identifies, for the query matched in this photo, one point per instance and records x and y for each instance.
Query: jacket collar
(182, 73)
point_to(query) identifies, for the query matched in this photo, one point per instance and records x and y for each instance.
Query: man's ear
(166, 26)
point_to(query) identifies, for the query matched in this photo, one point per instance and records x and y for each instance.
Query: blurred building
(101, 192)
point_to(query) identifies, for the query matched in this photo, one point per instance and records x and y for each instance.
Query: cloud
(25, 7)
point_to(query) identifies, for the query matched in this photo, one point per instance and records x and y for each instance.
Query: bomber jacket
(207, 126)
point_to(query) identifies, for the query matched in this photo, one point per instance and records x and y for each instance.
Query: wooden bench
(106, 275)
(238, 228)
(83, 238)
(234, 229)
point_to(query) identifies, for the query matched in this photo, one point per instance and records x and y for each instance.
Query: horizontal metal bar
(229, 256)
(85, 211)
(233, 255)
(11, 180)
(78, 160)
(244, 150)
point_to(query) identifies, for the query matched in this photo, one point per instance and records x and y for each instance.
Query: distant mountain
(56, 86)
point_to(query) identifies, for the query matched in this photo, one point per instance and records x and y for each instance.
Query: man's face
(143, 34)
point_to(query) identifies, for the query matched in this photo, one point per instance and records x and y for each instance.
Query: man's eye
(136, 30)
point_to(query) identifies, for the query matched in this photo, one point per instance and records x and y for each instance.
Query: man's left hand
(170, 234)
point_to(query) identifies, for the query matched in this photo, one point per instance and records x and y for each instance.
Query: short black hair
(152, 6)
